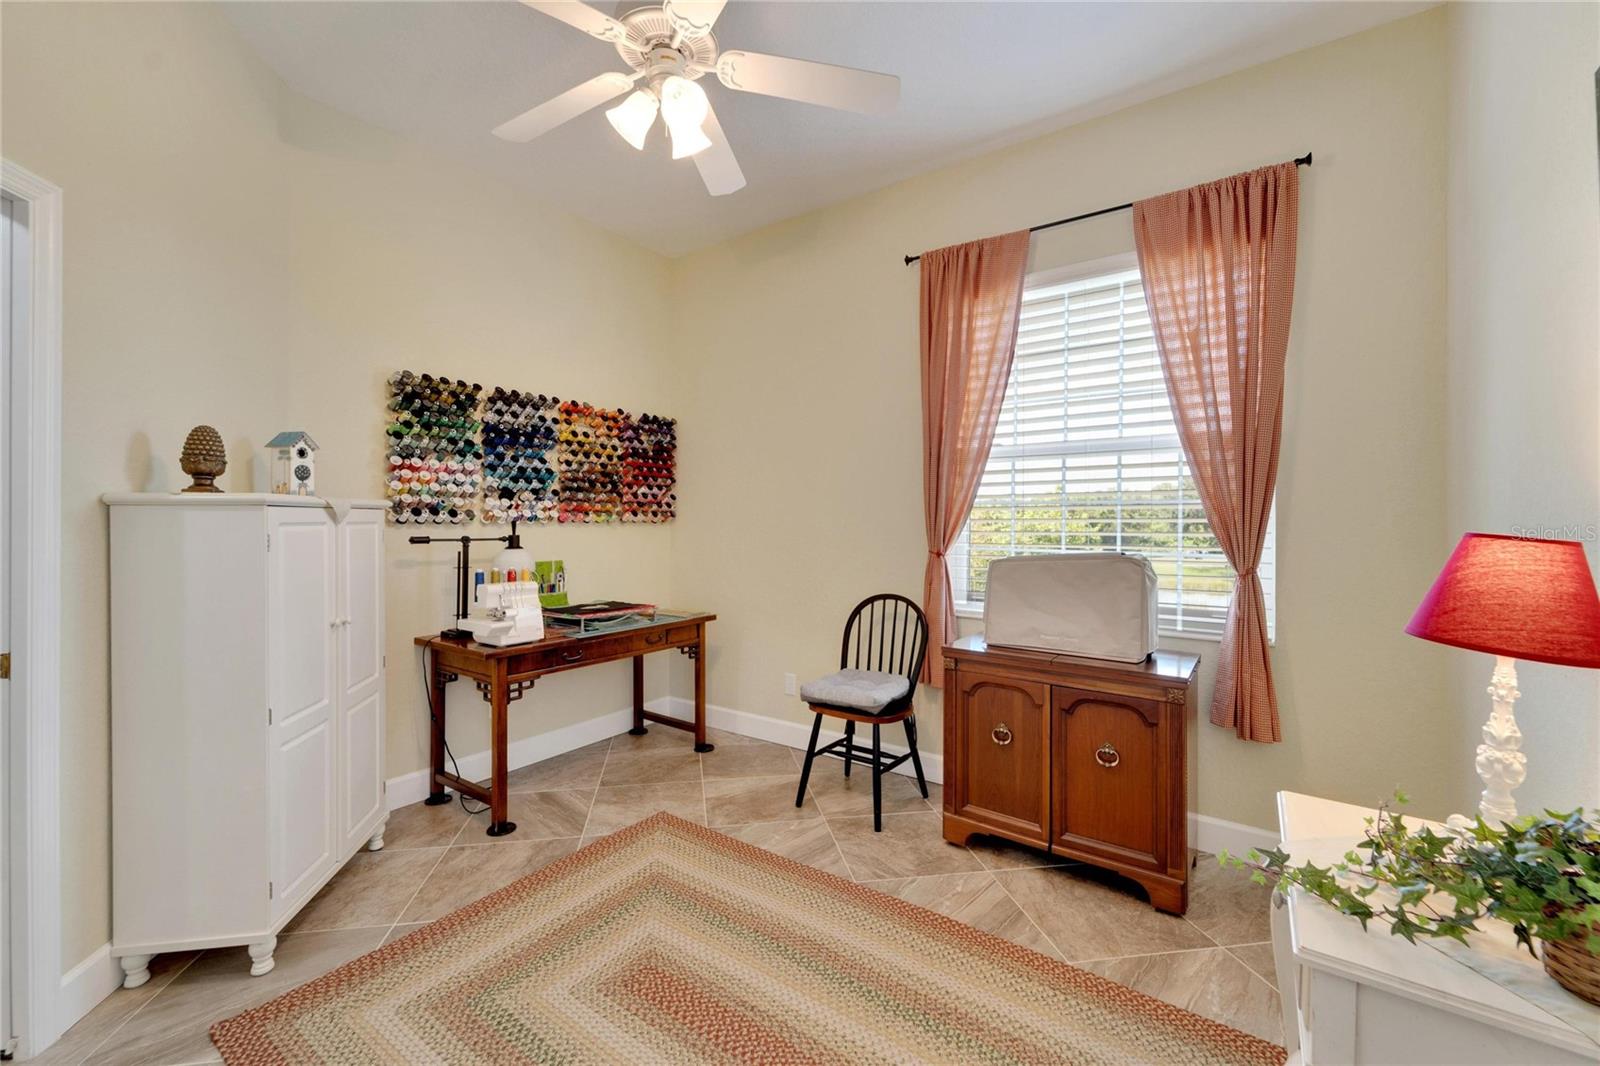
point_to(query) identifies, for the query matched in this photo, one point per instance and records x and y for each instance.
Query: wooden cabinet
(247, 714)
(1083, 757)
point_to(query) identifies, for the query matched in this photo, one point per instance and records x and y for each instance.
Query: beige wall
(805, 481)
(238, 256)
(175, 293)
(400, 260)
(1524, 343)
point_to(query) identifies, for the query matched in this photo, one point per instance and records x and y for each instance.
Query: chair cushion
(864, 690)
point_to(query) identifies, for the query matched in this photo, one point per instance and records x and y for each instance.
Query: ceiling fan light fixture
(683, 103)
(688, 140)
(633, 117)
(683, 108)
(669, 44)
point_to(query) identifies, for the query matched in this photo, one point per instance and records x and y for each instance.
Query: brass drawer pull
(1107, 756)
(655, 638)
(1001, 734)
(572, 656)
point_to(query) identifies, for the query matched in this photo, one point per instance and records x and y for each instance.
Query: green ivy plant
(1540, 873)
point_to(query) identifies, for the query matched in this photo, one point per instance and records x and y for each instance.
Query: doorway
(37, 1003)
(10, 282)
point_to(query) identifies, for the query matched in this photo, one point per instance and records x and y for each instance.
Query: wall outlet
(790, 687)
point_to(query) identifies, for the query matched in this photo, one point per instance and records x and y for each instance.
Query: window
(1086, 456)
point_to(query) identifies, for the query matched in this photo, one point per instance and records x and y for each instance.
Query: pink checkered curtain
(971, 301)
(1218, 268)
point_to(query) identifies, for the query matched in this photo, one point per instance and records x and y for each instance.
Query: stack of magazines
(600, 617)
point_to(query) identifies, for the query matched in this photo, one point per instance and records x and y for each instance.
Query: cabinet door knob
(1107, 756)
(1001, 734)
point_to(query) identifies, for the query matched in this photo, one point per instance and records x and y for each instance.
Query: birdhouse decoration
(291, 460)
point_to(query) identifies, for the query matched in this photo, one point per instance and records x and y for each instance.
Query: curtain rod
(1303, 161)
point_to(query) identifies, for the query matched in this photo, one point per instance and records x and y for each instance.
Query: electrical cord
(427, 691)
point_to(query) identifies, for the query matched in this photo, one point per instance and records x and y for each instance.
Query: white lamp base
(1501, 763)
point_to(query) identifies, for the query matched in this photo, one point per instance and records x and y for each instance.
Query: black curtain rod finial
(1300, 161)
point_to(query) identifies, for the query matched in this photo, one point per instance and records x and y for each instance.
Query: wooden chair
(888, 634)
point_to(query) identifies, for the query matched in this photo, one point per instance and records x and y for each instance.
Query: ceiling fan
(670, 46)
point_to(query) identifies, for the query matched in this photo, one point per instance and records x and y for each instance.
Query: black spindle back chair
(887, 633)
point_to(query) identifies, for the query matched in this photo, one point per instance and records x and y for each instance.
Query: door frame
(35, 694)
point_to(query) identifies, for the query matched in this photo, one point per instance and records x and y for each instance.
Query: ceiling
(973, 76)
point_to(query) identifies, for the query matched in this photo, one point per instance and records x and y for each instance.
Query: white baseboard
(1206, 833)
(407, 789)
(789, 734)
(413, 787)
(84, 986)
(1217, 835)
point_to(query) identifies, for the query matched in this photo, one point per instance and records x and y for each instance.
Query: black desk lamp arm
(463, 571)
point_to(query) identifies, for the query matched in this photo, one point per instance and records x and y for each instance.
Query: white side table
(1365, 996)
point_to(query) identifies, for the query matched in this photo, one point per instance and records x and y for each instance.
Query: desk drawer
(656, 640)
(672, 637)
(682, 636)
(584, 652)
(607, 649)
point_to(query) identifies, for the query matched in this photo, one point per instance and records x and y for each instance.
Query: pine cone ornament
(203, 458)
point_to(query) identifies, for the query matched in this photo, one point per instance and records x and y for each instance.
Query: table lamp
(1515, 598)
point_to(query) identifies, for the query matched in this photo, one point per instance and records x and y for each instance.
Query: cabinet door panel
(1003, 736)
(302, 683)
(303, 775)
(361, 696)
(300, 606)
(1110, 788)
(363, 802)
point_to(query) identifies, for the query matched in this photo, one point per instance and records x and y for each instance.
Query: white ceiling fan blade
(718, 169)
(814, 83)
(582, 16)
(569, 105)
(693, 18)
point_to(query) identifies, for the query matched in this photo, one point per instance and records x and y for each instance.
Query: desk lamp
(1514, 598)
(463, 604)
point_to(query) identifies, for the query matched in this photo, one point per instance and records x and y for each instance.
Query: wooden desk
(504, 674)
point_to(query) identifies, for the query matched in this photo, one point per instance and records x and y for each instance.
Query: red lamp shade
(1518, 596)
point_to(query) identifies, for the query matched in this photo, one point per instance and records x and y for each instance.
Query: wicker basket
(1574, 966)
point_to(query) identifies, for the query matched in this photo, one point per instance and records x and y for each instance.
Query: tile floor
(1215, 961)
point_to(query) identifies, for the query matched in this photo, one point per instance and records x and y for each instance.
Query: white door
(303, 696)
(360, 643)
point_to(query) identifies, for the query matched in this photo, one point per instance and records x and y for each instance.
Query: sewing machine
(506, 614)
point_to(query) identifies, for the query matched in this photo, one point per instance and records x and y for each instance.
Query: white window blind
(1087, 458)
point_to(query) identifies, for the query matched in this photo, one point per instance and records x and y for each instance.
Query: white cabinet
(247, 712)
(1353, 995)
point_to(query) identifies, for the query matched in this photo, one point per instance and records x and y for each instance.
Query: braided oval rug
(669, 942)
